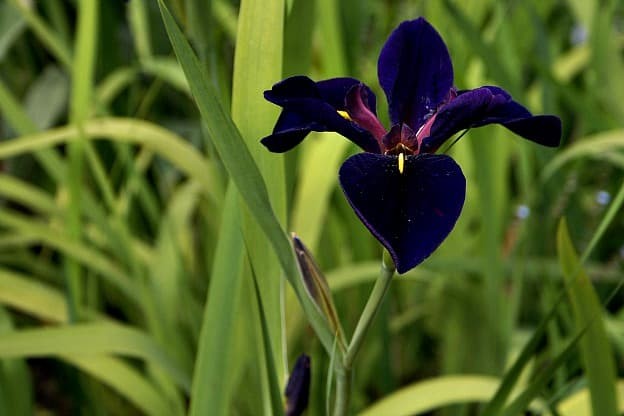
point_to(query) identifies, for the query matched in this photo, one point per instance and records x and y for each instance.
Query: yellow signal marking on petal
(344, 115)
(401, 162)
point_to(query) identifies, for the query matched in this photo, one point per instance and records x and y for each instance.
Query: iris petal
(292, 88)
(487, 105)
(313, 106)
(334, 91)
(289, 131)
(415, 71)
(410, 213)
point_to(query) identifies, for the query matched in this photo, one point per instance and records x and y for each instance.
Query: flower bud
(298, 387)
(316, 285)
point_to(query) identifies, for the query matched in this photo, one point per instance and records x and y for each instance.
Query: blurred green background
(126, 264)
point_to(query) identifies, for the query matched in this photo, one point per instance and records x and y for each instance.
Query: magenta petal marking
(361, 114)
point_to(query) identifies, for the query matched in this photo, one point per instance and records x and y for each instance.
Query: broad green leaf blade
(334, 60)
(168, 70)
(228, 141)
(298, 29)
(83, 65)
(614, 209)
(578, 404)
(47, 97)
(166, 269)
(596, 352)
(496, 68)
(519, 405)
(18, 118)
(211, 390)
(84, 254)
(599, 145)
(241, 167)
(16, 390)
(606, 59)
(201, 28)
(491, 160)
(113, 84)
(91, 338)
(166, 288)
(83, 72)
(319, 172)
(225, 15)
(138, 16)
(432, 394)
(125, 380)
(584, 11)
(512, 375)
(14, 112)
(26, 194)
(158, 139)
(571, 63)
(269, 363)
(32, 297)
(44, 33)
(312, 190)
(259, 46)
(11, 26)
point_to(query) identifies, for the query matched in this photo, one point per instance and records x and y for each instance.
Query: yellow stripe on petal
(401, 162)
(344, 115)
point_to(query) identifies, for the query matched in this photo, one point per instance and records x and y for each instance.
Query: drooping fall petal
(409, 212)
(313, 106)
(488, 105)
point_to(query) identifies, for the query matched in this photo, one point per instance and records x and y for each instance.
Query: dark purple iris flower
(407, 196)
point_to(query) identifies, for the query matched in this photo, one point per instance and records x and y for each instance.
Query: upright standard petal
(313, 106)
(487, 105)
(410, 211)
(415, 71)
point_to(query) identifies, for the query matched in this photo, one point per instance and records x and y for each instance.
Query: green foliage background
(139, 213)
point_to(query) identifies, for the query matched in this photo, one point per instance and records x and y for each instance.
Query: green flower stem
(370, 310)
(343, 370)
(343, 391)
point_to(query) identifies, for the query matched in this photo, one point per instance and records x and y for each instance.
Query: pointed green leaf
(512, 375)
(241, 167)
(211, 388)
(432, 394)
(259, 46)
(32, 297)
(91, 338)
(596, 352)
(519, 405)
(11, 26)
(578, 404)
(125, 380)
(273, 383)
